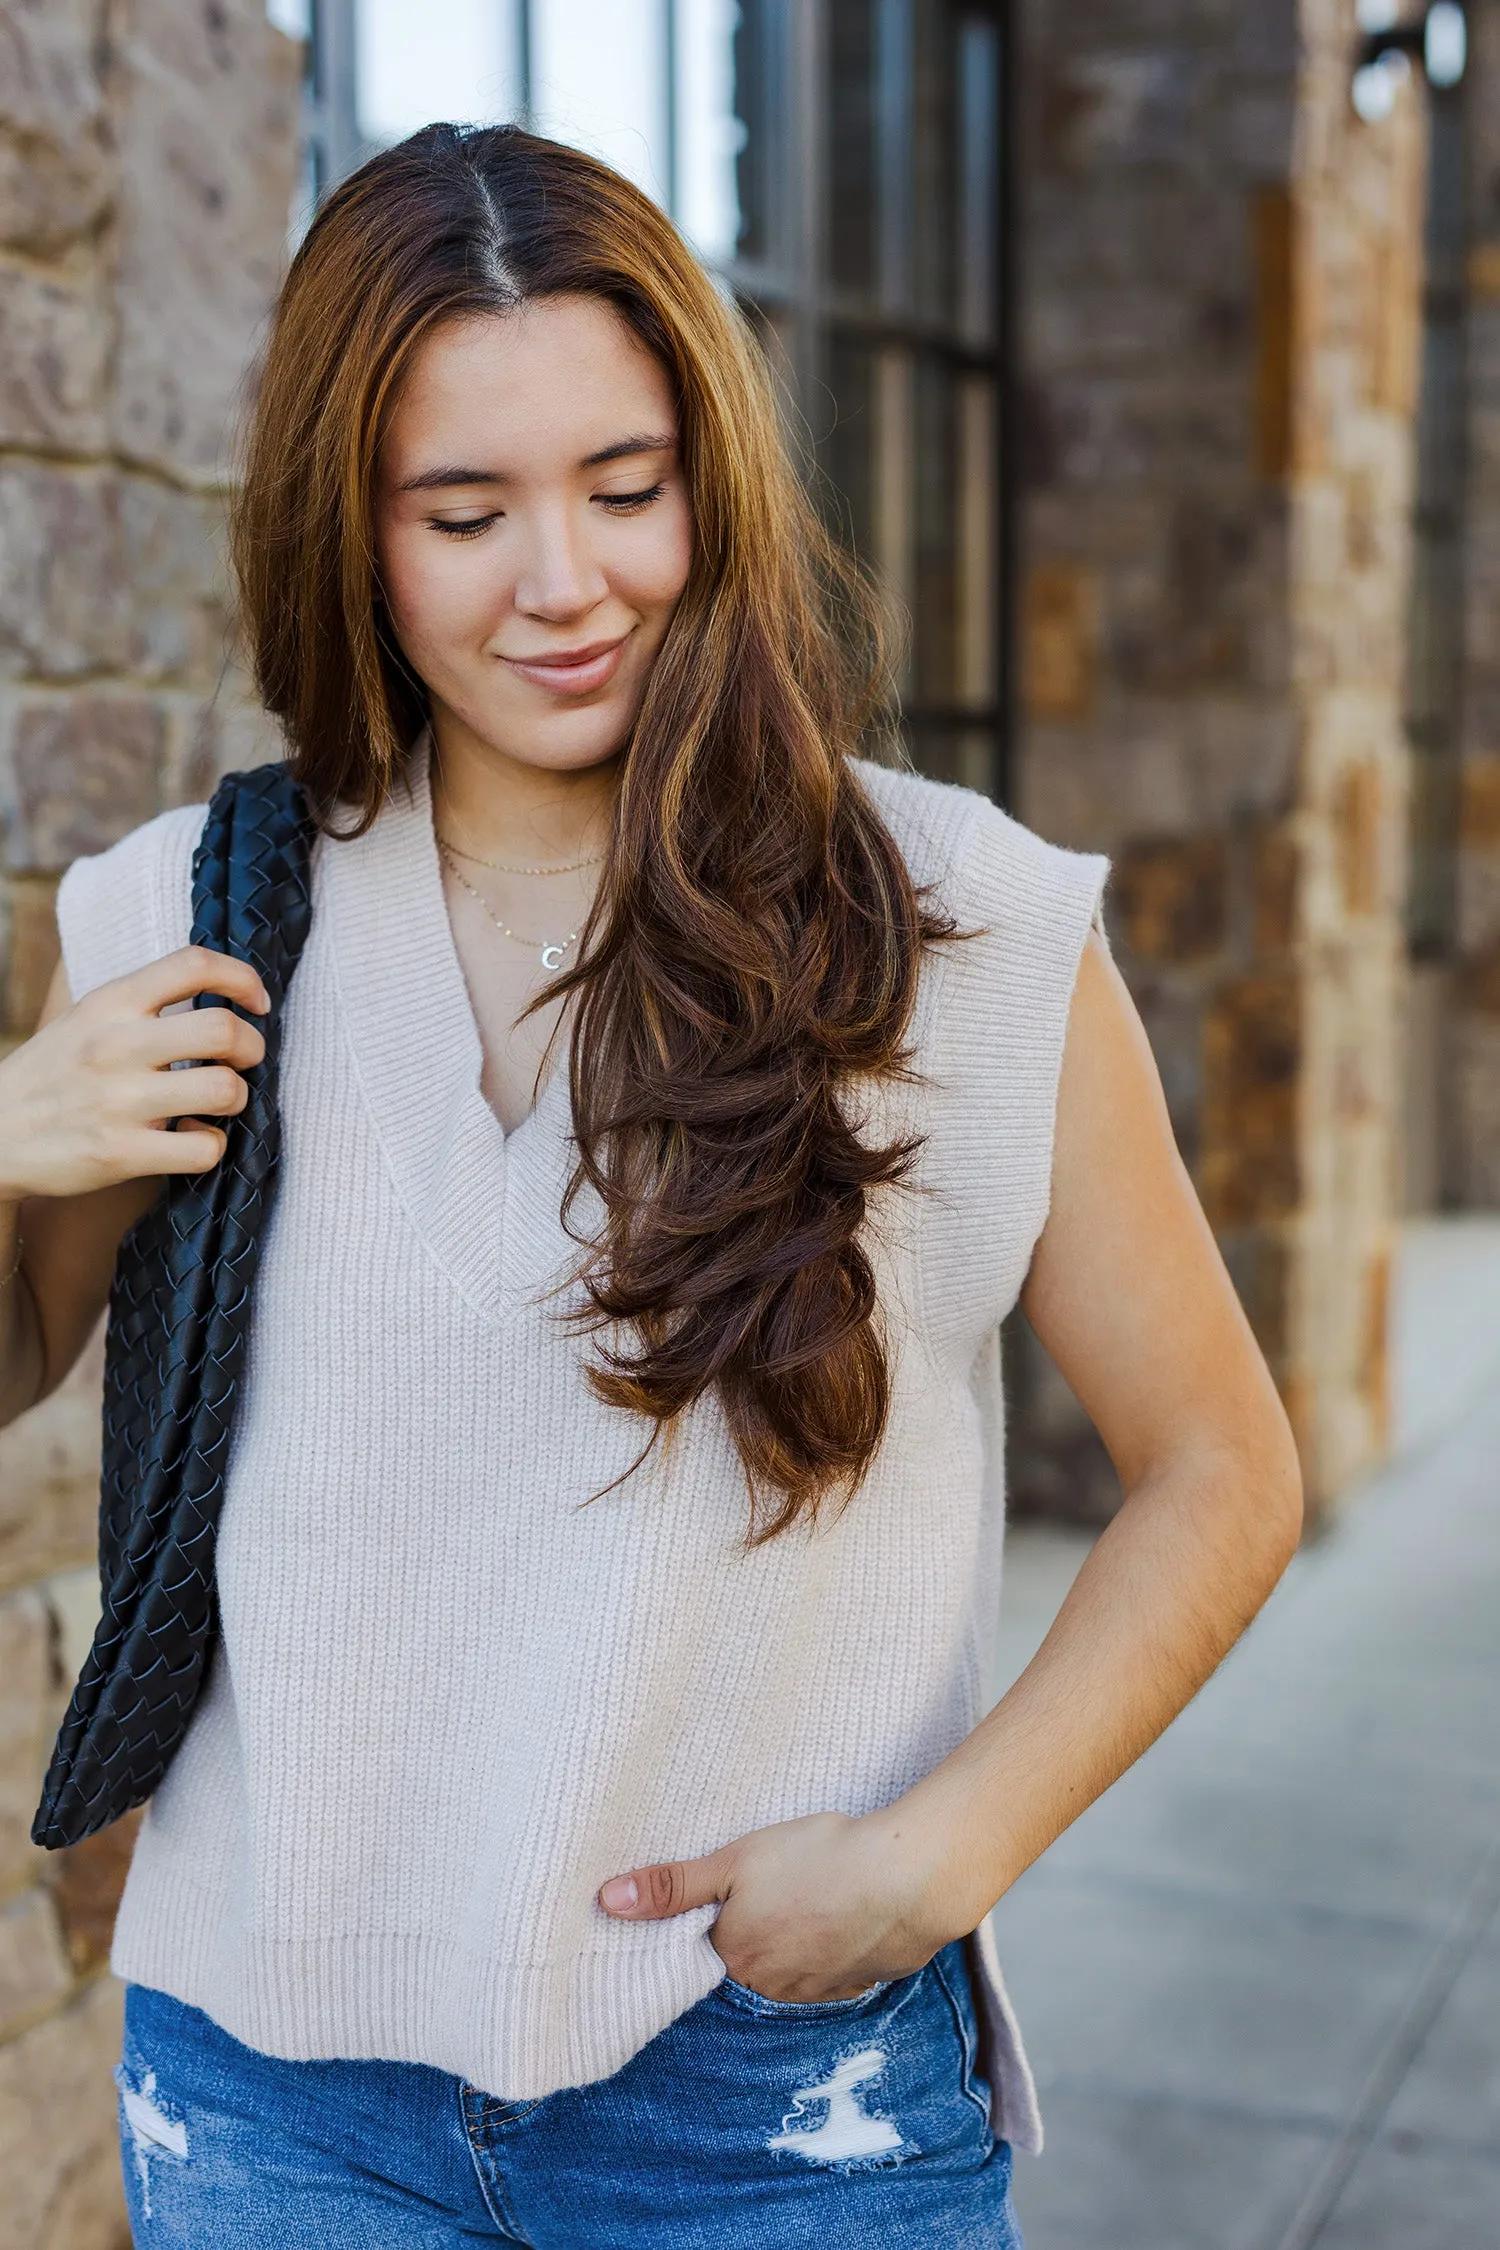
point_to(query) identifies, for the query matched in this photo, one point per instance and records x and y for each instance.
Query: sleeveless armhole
(1010, 989)
(991, 1049)
(130, 905)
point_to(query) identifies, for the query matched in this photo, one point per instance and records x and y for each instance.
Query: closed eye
(626, 503)
(469, 528)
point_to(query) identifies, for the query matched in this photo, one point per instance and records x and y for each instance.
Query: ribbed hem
(519, 2031)
(515, 2030)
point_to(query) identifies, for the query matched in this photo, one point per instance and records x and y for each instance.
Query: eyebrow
(624, 449)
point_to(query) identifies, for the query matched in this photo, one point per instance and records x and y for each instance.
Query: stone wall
(1472, 1156)
(147, 162)
(1220, 281)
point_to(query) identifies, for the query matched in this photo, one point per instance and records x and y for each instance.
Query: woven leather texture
(179, 1313)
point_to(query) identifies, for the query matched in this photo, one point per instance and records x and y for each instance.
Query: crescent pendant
(552, 958)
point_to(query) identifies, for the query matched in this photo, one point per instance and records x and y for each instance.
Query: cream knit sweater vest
(451, 1698)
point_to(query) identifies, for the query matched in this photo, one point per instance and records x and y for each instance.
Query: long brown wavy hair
(755, 942)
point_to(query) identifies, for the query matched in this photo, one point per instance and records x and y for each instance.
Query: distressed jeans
(747, 2122)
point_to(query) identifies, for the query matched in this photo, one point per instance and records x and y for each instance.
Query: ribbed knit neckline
(419, 1057)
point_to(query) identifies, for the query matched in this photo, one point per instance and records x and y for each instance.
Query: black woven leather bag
(179, 1314)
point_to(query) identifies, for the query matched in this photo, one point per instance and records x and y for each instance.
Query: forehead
(551, 383)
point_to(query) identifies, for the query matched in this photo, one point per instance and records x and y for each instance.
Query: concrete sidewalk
(1261, 1979)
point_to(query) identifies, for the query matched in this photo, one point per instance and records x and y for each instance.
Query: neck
(497, 806)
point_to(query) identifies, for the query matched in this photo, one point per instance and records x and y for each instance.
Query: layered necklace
(549, 951)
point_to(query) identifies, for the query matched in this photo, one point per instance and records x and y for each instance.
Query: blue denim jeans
(747, 2122)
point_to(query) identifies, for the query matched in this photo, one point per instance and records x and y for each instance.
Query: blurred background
(1150, 351)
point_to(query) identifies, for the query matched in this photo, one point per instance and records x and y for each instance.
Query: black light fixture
(1393, 42)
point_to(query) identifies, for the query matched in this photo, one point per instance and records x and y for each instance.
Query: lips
(572, 671)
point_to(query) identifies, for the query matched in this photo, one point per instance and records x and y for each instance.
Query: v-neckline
(487, 1201)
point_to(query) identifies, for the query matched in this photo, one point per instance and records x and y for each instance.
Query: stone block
(1273, 236)
(1479, 805)
(1125, 108)
(25, 1722)
(1483, 272)
(1092, 788)
(179, 628)
(1477, 983)
(1170, 897)
(59, 2155)
(56, 173)
(1357, 816)
(49, 1477)
(107, 573)
(1249, 1169)
(1275, 864)
(1260, 1269)
(1171, 1008)
(85, 1882)
(1373, 1373)
(1059, 641)
(31, 950)
(65, 602)
(209, 129)
(54, 344)
(85, 770)
(1058, 1466)
(1477, 901)
(34, 1972)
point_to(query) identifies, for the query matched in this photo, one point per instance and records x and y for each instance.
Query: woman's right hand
(85, 1103)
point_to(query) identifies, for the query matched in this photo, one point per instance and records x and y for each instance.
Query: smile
(575, 671)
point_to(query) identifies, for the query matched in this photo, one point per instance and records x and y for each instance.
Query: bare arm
(85, 1142)
(1129, 1293)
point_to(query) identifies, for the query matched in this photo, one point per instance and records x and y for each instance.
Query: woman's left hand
(813, 1909)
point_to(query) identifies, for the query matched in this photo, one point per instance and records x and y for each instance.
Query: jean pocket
(800, 2011)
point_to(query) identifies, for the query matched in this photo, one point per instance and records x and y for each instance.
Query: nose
(559, 577)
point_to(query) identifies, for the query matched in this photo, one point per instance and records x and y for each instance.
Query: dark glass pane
(935, 146)
(847, 454)
(935, 589)
(976, 542)
(851, 143)
(979, 173)
(754, 106)
(966, 755)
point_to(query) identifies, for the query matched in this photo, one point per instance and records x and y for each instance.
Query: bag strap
(179, 1317)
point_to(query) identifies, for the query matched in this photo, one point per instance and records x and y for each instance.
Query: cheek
(660, 569)
(438, 592)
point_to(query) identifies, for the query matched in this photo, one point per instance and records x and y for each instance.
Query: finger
(194, 1147)
(672, 1886)
(191, 970)
(202, 1090)
(199, 1034)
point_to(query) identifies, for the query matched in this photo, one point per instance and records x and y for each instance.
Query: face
(533, 528)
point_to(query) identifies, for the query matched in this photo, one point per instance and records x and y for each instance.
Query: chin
(565, 741)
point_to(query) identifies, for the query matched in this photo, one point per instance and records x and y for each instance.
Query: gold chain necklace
(550, 950)
(503, 866)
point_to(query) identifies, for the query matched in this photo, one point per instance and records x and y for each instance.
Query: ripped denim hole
(153, 2133)
(847, 2133)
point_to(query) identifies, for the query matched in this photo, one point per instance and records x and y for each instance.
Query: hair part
(755, 942)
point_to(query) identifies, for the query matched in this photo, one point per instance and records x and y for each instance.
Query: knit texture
(455, 1691)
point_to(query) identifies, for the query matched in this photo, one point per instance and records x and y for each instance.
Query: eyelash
(618, 504)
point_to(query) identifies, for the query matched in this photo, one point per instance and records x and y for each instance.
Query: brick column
(147, 162)
(1472, 1166)
(1220, 293)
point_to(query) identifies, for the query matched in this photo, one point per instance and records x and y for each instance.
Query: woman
(584, 1832)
